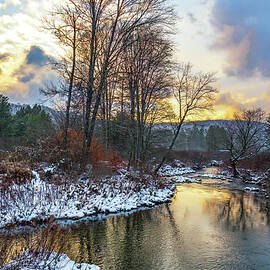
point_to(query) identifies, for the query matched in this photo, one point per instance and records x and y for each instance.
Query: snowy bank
(183, 179)
(168, 170)
(40, 200)
(213, 176)
(46, 260)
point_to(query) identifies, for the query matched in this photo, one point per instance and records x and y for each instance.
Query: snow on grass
(183, 179)
(213, 176)
(168, 170)
(46, 260)
(39, 200)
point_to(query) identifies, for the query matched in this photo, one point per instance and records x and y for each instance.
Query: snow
(183, 179)
(168, 170)
(46, 260)
(215, 163)
(213, 176)
(39, 200)
(251, 189)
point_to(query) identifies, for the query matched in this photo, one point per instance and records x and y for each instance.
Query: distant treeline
(195, 138)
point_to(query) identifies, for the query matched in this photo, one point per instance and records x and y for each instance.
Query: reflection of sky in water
(204, 228)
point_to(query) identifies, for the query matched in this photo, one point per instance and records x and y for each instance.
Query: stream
(207, 226)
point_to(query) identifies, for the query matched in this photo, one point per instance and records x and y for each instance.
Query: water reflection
(204, 228)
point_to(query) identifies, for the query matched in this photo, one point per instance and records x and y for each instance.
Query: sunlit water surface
(204, 228)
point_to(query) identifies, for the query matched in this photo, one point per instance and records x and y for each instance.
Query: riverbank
(33, 197)
(45, 194)
(200, 216)
(248, 181)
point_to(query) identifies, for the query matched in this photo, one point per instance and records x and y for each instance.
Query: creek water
(207, 226)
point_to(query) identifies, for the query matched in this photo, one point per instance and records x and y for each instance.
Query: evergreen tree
(38, 125)
(31, 124)
(5, 115)
(202, 144)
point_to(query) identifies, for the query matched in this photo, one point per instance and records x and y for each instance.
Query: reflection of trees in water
(51, 238)
(123, 242)
(240, 211)
(129, 242)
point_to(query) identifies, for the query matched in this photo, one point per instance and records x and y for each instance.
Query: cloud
(227, 104)
(27, 78)
(191, 17)
(204, 2)
(24, 47)
(32, 65)
(36, 56)
(23, 76)
(4, 57)
(8, 3)
(242, 29)
(226, 99)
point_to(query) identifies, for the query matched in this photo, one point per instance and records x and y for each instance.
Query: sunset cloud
(227, 104)
(242, 29)
(20, 75)
(24, 48)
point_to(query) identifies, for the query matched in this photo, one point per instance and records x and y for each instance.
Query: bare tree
(245, 136)
(64, 23)
(111, 24)
(146, 74)
(194, 93)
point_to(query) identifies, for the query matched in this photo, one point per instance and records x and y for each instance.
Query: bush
(14, 173)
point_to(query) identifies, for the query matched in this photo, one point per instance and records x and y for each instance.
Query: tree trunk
(90, 83)
(235, 172)
(66, 126)
(95, 110)
(171, 146)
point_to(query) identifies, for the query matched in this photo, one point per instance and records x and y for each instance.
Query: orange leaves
(14, 173)
(98, 154)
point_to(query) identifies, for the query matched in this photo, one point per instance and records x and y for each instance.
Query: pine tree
(31, 124)
(5, 115)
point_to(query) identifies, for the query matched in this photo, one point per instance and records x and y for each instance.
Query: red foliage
(97, 152)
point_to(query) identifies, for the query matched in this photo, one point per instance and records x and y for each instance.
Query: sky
(229, 37)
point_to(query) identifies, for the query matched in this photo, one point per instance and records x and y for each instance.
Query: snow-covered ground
(41, 199)
(213, 176)
(38, 199)
(184, 179)
(46, 260)
(168, 170)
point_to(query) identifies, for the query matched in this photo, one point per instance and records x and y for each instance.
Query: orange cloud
(227, 104)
